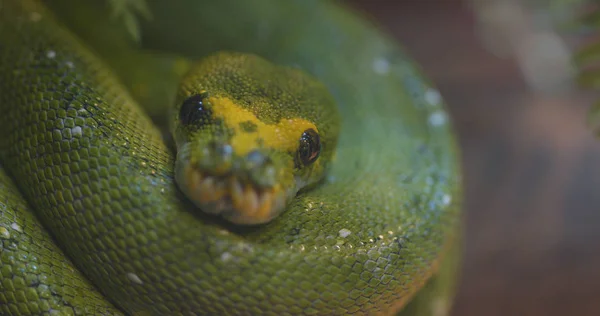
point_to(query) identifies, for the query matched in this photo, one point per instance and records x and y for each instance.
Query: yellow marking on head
(284, 135)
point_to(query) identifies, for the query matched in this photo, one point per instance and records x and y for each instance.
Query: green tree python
(273, 208)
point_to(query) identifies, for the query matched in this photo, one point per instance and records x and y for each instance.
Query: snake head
(250, 135)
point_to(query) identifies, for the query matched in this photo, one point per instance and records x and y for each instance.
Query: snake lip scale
(221, 195)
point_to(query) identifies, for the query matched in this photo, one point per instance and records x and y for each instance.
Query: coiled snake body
(84, 167)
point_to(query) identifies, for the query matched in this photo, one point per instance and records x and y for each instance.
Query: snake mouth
(227, 195)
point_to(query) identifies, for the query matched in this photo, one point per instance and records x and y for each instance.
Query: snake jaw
(228, 196)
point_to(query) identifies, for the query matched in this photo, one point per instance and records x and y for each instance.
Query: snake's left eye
(194, 110)
(310, 147)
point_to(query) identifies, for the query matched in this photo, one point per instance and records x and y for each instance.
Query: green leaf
(129, 13)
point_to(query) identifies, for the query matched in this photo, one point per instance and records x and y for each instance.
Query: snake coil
(90, 164)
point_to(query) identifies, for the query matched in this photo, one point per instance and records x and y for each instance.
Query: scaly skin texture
(100, 178)
(35, 275)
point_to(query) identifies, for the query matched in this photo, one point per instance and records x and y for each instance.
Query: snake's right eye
(310, 147)
(194, 110)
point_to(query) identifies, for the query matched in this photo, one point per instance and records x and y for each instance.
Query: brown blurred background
(531, 168)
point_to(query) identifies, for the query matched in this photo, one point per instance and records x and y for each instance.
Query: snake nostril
(260, 169)
(216, 158)
(255, 159)
(223, 151)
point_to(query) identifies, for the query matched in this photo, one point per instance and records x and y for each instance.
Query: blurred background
(531, 163)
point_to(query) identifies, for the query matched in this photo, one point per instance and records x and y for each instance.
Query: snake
(306, 166)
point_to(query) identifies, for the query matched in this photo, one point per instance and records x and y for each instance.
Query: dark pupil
(193, 110)
(310, 147)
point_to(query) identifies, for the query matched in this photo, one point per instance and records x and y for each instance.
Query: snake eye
(194, 109)
(310, 147)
